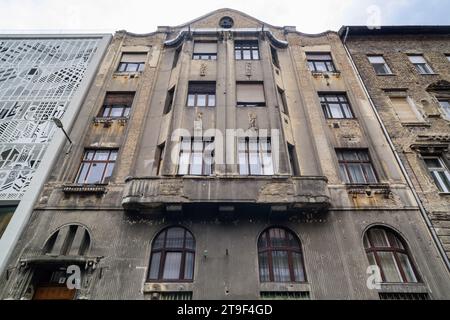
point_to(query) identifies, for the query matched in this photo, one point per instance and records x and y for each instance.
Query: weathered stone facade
(430, 135)
(226, 212)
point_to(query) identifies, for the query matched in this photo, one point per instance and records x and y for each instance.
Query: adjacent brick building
(407, 73)
(309, 193)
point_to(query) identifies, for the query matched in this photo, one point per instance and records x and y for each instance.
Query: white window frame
(437, 178)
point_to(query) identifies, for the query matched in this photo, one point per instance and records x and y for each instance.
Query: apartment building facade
(42, 76)
(303, 196)
(407, 73)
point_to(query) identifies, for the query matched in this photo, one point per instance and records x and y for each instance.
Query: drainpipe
(397, 157)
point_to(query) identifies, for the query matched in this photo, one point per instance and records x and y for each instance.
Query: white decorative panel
(38, 77)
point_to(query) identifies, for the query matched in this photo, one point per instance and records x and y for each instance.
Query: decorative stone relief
(203, 69)
(252, 121)
(248, 69)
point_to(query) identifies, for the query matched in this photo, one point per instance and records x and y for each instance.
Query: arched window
(386, 249)
(69, 240)
(172, 257)
(280, 257)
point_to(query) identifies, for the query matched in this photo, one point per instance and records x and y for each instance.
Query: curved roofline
(222, 10)
(320, 34)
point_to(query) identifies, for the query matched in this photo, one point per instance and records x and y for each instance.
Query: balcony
(280, 193)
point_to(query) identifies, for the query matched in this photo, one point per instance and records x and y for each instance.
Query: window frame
(326, 62)
(251, 104)
(384, 64)
(191, 153)
(193, 90)
(92, 161)
(360, 162)
(444, 168)
(121, 69)
(204, 56)
(126, 108)
(241, 46)
(420, 67)
(444, 110)
(260, 156)
(326, 104)
(390, 235)
(163, 250)
(269, 249)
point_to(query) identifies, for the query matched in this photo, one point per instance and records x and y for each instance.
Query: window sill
(445, 194)
(386, 74)
(368, 188)
(84, 188)
(416, 124)
(131, 75)
(285, 286)
(429, 74)
(317, 74)
(403, 288)
(150, 287)
(107, 121)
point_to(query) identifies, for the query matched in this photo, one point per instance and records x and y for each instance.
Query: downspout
(397, 157)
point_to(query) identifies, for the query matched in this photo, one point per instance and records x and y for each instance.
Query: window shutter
(376, 59)
(417, 59)
(318, 56)
(208, 87)
(205, 47)
(404, 109)
(253, 92)
(119, 99)
(135, 57)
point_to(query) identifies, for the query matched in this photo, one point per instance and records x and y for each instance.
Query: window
(295, 171)
(176, 56)
(246, 50)
(420, 64)
(448, 57)
(201, 94)
(96, 166)
(117, 104)
(6, 213)
(285, 295)
(255, 156)
(172, 256)
(205, 51)
(445, 106)
(282, 99)
(69, 240)
(132, 62)
(379, 65)
(386, 249)
(250, 94)
(404, 296)
(169, 101)
(196, 156)
(320, 62)
(274, 55)
(336, 106)
(439, 171)
(280, 256)
(355, 166)
(405, 109)
(159, 157)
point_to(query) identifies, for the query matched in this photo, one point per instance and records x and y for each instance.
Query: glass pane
(82, 175)
(264, 275)
(189, 266)
(88, 155)
(280, 264)
(183, 163)
(172, 265)
(132, 67)
(158, 243)
(116, 111)
(335, 110)
(433, 163)
(211, 100)
(356, 173)
(175, 238)
(255, 164)
(95, 173)
(267, 163)
(154, 265)
(141, 67)
(246, 54)
(347, 110)
(311, 66)
(201, 100)
(191, 100)
(366, 241)
(237, 55)
(320, 66)
(407, 268)
(196, 165)
(371, 178)
(298, 266)
(106, 112)
(378, 238)
(122, 67)
(109, 169)
(262, 241)
(190, 242)
(101, 155)
(255, 54)
(113, 155)
(243, 166)
(389, 266)
(343, 172)
(330, 66)
(126, 112)
(278, 237)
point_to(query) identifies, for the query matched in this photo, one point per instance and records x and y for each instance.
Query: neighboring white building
(41, 77)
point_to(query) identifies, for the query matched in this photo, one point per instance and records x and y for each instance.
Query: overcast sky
(143, 16)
